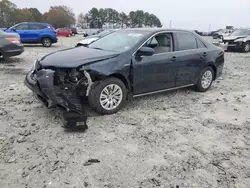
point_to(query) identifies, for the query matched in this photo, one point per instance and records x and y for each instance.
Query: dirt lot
(178, 139)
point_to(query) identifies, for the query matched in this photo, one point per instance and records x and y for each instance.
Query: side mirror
(14, 30)
(145, 51)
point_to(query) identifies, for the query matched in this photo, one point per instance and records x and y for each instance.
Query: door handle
(173, 59)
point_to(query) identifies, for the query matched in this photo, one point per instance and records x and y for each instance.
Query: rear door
(191, 56)
(35, 31)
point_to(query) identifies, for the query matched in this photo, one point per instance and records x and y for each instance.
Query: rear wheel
(107, 96)
(246, 47)
(46, 42)
(205, 80)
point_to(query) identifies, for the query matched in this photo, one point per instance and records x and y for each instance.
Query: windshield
(241, 32)
(119, 41)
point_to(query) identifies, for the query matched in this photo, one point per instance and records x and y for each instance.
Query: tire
(46, 42)
(98, 88)
(201, 85)
(246, 47)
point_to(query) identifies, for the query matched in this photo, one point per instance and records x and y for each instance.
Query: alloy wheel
(111, 97)
(247, 47)
(206, 79)
(47, 42)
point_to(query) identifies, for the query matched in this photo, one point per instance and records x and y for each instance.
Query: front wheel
(246, 47)
(108, 96)
(46, 42)
(205, 80)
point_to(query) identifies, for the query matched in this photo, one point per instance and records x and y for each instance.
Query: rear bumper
(14, 51)
(42, 85)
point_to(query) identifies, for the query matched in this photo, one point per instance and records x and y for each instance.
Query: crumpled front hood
(233, 37)
(75, 57)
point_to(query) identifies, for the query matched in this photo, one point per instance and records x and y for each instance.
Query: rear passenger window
(186, 41)
(200, 44)
(36, 27)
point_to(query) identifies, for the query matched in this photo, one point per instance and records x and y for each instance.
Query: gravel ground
(178, 139)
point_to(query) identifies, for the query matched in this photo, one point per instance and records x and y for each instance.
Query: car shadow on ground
(39, 46)
(9, 61)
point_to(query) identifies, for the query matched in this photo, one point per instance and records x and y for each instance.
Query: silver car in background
(88, 40)
(237, 40)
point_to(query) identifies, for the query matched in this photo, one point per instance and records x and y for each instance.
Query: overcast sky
(186, 14)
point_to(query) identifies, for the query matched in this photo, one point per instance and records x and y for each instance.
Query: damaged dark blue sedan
(122, 65)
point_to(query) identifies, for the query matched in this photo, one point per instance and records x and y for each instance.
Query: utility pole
(209, 29)
(170, 23)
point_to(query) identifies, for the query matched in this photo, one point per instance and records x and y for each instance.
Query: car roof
(39, 23)
(155, 30)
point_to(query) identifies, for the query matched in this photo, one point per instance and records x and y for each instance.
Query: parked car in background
(198, 32)
(88, 40)
(125, 64)
(74, 30)
(35, 33)
(64, 32)
(10, 44)
(222, 33)
(238, 40)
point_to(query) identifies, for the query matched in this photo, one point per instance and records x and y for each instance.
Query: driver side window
(161, 43)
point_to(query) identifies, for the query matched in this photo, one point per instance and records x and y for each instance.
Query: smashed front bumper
(42, 84)
(227, 45)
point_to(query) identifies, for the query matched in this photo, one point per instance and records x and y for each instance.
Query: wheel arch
(45, 36)
(214, 69)
(122, 78)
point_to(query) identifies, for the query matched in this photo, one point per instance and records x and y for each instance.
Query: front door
(22, 30)
(156, 72)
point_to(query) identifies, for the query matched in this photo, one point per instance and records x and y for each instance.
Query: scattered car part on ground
(10, 45)
(88, 40)
(65, 32)
(125, 64)
(238, 40)
(73, 121)
(35, 33)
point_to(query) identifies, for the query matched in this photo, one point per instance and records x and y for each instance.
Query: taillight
(13, 40)
(223, 52)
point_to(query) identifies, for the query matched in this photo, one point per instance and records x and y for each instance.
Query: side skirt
(163, 90)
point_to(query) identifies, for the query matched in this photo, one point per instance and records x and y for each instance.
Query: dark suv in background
(35, 33)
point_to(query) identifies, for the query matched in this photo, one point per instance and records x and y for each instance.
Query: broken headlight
(68, 79)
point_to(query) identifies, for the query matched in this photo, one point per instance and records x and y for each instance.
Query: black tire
(46, 42)
(199, 86)
(246, 47)
(95, 92)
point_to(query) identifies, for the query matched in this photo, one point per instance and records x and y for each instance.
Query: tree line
(63, 16)
(97, 18)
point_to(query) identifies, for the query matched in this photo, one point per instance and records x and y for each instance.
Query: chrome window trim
(160, 32)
